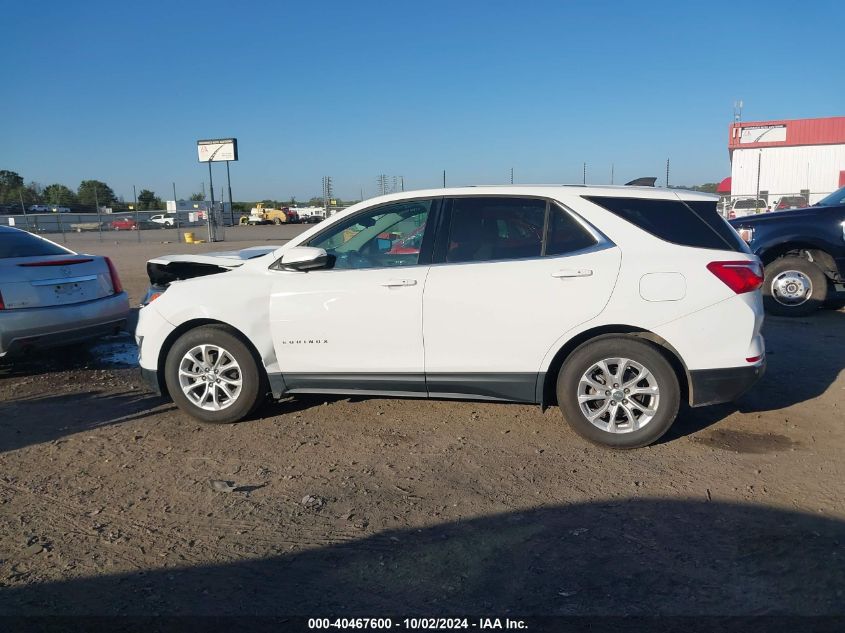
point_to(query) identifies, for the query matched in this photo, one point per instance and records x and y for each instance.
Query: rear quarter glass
(683, 222)
(23, 244)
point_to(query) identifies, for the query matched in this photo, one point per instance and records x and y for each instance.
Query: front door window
(385, 237)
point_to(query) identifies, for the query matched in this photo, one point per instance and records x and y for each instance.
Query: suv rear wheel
(212, 375)
(794, 286)
(619, 392)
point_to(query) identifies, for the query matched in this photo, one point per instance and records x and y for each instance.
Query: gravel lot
(376, 506)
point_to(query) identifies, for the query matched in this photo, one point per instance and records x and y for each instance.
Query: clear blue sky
(121, 91)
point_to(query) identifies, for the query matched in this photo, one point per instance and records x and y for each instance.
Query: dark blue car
(803, 251)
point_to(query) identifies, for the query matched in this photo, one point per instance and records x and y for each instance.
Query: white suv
(614, 302)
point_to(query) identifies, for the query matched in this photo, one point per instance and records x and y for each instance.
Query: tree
(88, 189)
(147, 200)
(10, 183)
(58, 194)
(197, 197)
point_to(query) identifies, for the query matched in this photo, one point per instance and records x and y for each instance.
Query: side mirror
(303, 259)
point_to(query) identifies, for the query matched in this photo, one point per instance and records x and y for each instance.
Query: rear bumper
(714, 386)
(38, 328)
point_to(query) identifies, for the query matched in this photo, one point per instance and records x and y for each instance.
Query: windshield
(837, 197)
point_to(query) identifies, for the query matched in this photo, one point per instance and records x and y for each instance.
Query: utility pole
(229, 183)
(176, 206)
(137, 224)
(23, 208)
(327, 192)
(444, 178)
(99, 219)
(511, 175)
(667, 173)
(611, 173)
(585, 174)
(212, 235)
(402, 182)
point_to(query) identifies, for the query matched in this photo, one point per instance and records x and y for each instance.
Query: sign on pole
(217, 150)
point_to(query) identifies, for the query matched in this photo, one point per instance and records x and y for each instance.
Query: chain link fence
(153, 225)
(738, 205)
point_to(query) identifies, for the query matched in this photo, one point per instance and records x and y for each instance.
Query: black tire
(616, 347)
(277, 221)
(835, 300)
(253, 379)
(818, 289)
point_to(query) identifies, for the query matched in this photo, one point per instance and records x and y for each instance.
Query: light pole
(759, 161)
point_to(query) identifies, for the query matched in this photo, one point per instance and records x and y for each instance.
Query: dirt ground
(350, 506)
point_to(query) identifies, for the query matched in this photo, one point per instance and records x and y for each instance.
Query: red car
(123, 224)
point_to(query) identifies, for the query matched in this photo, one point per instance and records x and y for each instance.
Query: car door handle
(393, 283)
(581, 272)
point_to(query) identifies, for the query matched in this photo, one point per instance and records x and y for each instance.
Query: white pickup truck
(164, 219)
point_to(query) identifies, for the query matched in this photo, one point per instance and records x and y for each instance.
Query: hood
(227, 259)
(166, 269)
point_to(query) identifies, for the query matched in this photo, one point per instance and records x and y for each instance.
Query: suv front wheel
(619, 392)
(212, 375)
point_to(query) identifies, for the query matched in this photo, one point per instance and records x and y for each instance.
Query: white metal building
(800, 157)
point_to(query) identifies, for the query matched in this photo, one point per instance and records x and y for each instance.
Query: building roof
(787, 133)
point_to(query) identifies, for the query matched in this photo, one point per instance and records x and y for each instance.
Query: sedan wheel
(213, 375)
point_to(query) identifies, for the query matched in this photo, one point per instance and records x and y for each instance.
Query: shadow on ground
(636, 557)
(53, 417)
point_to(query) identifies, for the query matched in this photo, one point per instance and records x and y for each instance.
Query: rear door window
(23, 244)
(490, 228)
(688, 223)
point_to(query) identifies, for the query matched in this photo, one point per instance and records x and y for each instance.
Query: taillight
(741, 276)
(2, 305)
(115, 278)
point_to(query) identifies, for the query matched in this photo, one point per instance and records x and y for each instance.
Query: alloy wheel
(618, 395)
(210, 377)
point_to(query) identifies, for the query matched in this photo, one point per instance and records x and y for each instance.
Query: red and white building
(799, 157)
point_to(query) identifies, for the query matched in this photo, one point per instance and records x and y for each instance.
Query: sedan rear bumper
(29, 328)
(714, 386)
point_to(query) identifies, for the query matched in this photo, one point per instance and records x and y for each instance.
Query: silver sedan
(51, 296)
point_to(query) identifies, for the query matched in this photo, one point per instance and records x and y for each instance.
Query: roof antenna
(738, 111)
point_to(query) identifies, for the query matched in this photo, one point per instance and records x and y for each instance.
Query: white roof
(550, 191)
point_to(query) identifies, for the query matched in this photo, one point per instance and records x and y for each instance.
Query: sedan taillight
(2, 305)
(115, 278)
(739, 276)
